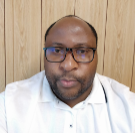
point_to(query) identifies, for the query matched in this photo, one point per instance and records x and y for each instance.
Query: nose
(69, 63)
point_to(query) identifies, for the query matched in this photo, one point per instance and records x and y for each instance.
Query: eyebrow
(57, 43)
(76, 45)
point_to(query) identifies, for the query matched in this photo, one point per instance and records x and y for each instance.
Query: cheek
(50, 68)
(89, 68)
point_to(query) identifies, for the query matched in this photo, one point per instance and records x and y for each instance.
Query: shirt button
(71, 126)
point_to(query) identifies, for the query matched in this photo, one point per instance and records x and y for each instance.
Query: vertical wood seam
(41, 38)
(133, 67)
(5, 42)
(105, 37)
(74, 6)
(13, 37)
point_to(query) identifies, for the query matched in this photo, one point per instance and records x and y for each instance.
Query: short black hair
(92, 28)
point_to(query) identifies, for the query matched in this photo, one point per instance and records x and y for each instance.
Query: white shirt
(29, 106)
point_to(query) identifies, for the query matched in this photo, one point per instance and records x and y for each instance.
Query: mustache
(69, 76)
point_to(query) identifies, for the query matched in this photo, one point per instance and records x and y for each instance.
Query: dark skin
(70, 81)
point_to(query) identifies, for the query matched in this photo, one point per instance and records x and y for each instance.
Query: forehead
(71, 29)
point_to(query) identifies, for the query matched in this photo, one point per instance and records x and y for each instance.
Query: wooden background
(23, 24)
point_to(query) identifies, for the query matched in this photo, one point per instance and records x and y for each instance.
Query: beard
(84, 85)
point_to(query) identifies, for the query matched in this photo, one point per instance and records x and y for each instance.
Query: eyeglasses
(80, 55)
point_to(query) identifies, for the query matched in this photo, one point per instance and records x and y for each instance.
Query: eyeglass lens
(56, 54)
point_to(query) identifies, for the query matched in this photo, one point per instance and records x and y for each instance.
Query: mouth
(67, 83)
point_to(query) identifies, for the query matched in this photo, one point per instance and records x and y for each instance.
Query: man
(68, 97)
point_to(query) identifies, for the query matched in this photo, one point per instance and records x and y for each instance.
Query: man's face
(70, 80)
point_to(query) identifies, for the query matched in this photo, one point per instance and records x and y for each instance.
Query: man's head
(91, 27)
(70, 80)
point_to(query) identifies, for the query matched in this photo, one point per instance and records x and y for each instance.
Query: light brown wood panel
(52, 10)
(2, 47)
(133, 79)
(94, 12)
(27, 38)
(119, 44)
(9, 40)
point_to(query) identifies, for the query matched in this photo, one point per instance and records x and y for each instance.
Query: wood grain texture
(2, 47)
(27, 38)
(119, 44)
(133, 79)
(94, 12)
(52, 11)
(9, 40)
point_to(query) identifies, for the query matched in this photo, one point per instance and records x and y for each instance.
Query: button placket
(72, 126)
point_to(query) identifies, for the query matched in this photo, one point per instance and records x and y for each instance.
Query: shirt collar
(46, 94)
(97, 94)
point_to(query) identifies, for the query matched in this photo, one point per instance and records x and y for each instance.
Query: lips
(67, 83)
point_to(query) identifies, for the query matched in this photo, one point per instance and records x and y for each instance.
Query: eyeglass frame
(70, 49)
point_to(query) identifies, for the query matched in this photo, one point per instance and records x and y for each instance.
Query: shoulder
(21, 98)
(118, 92)
(116, 86)
(24, 90)
(2, 96)
(121, 101)
(2, 100)
(3, 127)
(26, 84)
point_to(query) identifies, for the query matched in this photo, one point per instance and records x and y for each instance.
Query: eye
(82, 51)
(58, 50)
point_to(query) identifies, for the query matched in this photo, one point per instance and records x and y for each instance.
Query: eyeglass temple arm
(44, 49)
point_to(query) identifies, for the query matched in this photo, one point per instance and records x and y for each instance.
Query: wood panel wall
(2, 47)
(119, 42)
(133, 78)
(22, 38)
(23, 24)
(9, 40)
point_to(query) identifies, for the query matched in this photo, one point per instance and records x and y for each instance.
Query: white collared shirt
(95, 114)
